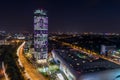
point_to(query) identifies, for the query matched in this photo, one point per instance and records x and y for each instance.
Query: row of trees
(10, 59)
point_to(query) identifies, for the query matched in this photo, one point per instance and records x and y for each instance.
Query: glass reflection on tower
(40, 34)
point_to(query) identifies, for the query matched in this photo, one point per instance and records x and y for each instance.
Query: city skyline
(59, 40)
(64, 16)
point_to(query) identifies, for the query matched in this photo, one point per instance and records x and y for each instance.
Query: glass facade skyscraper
(40, 34)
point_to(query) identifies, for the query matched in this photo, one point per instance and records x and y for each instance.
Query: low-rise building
(74, 64)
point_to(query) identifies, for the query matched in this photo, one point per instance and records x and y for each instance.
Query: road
(98, 55)
(29, 68)
(26, 75)
(89, 53)
(4, 71)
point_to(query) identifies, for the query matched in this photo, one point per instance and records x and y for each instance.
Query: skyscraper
(40, 34)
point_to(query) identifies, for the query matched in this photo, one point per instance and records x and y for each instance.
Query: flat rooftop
(83, 63)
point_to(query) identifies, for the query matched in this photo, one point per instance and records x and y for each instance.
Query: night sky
(64, 15)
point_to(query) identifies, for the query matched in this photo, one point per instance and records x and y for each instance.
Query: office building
(40, 34)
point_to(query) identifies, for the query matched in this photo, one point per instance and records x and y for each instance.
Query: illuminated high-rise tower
(40, 34)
